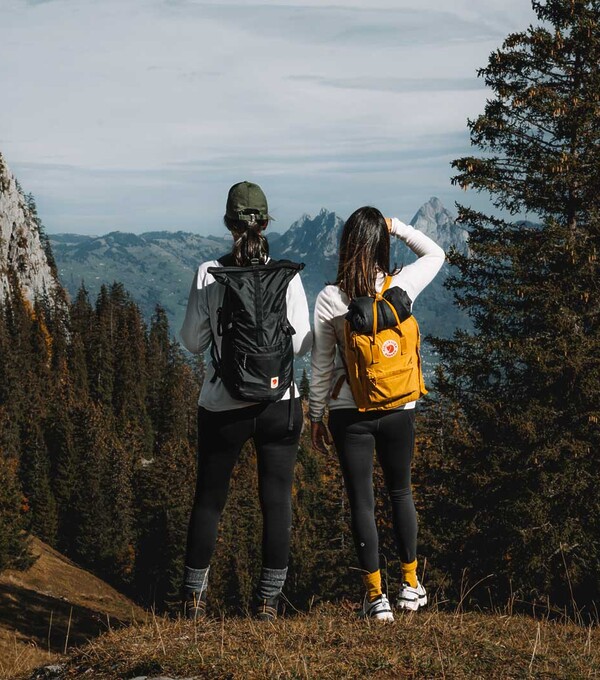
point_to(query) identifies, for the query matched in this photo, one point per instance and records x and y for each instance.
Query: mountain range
(158, 267)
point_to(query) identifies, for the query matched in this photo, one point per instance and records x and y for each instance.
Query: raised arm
(417, 275)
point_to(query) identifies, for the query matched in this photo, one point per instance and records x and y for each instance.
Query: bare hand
(320, 436)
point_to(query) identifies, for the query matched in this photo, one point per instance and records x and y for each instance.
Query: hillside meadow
(330, 642)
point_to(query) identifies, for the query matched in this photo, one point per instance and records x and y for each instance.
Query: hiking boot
(411, 598)
(265, 608)
(378, 609)
(194, 606)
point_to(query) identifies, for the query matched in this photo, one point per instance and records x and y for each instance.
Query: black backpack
(257, 355)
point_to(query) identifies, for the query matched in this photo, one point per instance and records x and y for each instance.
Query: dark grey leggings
(391, 434)
(221, 435)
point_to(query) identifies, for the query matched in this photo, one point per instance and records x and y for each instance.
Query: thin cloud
(395, 84)
(354, 27)
(139, 114)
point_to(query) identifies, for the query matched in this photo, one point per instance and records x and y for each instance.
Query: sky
(138, 115)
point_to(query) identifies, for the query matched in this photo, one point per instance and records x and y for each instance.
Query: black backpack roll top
(360, 311)
(257, 354)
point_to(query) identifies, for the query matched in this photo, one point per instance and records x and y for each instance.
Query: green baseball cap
(246, 202)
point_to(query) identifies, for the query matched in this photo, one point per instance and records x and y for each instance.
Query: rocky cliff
(23, 255)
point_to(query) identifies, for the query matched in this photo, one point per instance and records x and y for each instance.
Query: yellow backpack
(384, 368)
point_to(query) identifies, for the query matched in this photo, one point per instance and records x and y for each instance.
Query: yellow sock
(409, 573)
(373, 585)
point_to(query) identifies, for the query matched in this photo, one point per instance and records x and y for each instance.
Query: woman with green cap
(227, 419)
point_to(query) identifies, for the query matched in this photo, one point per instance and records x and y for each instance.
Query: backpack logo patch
(274, 382)
(390, 348)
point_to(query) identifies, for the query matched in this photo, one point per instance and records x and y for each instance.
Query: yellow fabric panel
(385, 371)
(372, 583)
(409, 573)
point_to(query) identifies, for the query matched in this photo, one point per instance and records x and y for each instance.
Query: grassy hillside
(51, 605)
(331, 643)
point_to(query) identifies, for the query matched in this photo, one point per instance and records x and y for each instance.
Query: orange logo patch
(390, 348)
(274, 382)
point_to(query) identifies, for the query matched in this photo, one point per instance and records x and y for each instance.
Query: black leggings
(391, 433)
(221, 435)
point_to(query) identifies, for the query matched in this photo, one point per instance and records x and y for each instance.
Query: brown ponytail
(249, 244)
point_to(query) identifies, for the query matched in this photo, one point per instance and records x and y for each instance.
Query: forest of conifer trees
(98, 408)
(98, 427)
(518, 443)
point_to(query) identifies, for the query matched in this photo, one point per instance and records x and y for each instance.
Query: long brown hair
(364, 251)
(249, 243)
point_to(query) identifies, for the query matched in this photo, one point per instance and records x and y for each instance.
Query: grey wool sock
(271, 583)
(195, 580)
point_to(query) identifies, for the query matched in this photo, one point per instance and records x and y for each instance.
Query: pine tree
(81, 348)
(59, 398)
(101, 366)
(9, 373)
(31, 352)
(304, 386)
(527, 380)
(12, 543)
(165, 476)
(159, 347)
(12, 507)
(117, 490)
(91, 546)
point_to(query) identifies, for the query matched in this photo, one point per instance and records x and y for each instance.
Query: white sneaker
(412, 598)
(378, 609)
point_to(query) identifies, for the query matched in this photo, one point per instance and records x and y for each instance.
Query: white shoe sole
(384, 614)
(412, 605)
(381, 616)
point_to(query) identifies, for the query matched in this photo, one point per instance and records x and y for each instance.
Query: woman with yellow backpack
(366, 367)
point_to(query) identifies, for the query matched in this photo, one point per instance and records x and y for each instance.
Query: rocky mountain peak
(318, 236)
(433, 219)
(22, 251)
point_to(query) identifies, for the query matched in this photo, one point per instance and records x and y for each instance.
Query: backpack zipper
(258, 308)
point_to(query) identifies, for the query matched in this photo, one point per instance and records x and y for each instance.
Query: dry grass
(19, 653)
(51, 605)
(331, 643)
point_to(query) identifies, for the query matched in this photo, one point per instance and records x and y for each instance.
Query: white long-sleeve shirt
(332, 305)
(200, 329)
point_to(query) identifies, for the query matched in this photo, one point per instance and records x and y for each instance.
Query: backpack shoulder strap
(226, 260)
(386, 284)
